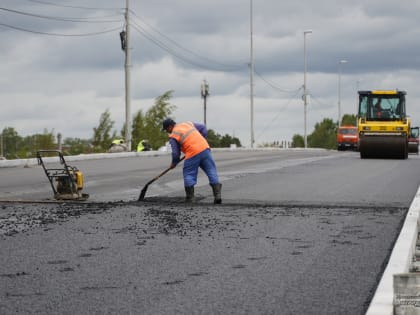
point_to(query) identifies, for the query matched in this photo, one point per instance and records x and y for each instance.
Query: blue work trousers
(205, 161)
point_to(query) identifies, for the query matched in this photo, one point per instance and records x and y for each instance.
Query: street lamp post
(204, 94)
(339, 90)
(1, 145)
(305, 102)
(251, 73)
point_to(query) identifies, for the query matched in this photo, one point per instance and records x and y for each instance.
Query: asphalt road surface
(299, 232)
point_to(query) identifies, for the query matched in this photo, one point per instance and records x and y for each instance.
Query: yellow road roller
(383, 125)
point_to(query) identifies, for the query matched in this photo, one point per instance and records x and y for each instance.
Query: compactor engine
(383, 125)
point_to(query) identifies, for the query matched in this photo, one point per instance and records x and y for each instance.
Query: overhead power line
(60, 34)
(163, 46)
(179, 55)
(64, 19)
(188, 51)
(71, 6)
(275, 117)
(316, 100)
(149, 32)
(273, 85)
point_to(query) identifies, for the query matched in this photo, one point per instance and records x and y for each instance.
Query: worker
(117, 142)
(143, 146)
(378, 109)
(117, 145)
(190, 138)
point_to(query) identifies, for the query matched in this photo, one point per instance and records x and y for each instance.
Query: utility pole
(305, 92)
(339, 90)
(59, 143)
(204, 94)
(127, 50)
(251, 77)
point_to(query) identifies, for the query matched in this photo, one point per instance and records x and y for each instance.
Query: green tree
(298, 141)
(227, 140)
(101, 134)
(40, 141)
(149, 126)
(235, 140)
(213, 138)
(349, 120)
(75, 146)
(12, 143)
(324, 135)
(138, 128)
(46, 140)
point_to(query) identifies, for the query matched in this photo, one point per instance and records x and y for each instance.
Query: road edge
(98, 156)
(399, 262)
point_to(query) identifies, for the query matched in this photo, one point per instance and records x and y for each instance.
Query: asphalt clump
(20, 217)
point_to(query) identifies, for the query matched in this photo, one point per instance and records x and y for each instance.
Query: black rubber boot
(189, 197)
(217, 193)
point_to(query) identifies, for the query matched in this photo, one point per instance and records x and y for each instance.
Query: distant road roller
(383, 125)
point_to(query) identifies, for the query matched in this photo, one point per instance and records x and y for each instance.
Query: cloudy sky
(62, 65)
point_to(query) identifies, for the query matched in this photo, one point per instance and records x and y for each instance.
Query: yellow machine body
(383, 125)
(79, 180)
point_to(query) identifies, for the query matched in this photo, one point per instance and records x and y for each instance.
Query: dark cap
(167, 122)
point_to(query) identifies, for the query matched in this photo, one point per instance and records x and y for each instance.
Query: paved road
(300, 232)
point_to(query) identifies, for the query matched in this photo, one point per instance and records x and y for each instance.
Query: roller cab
(383, 125)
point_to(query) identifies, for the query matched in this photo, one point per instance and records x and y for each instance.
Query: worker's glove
(173, 165)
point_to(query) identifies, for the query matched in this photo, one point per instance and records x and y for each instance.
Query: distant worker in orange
(190, 138)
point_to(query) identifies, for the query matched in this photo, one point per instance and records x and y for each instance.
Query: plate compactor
(66, 181)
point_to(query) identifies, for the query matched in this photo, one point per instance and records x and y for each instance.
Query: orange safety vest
(189, 138)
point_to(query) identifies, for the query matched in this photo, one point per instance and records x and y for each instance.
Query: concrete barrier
(69, 158)
(400, 262)
(407, 294)
(95, 156)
